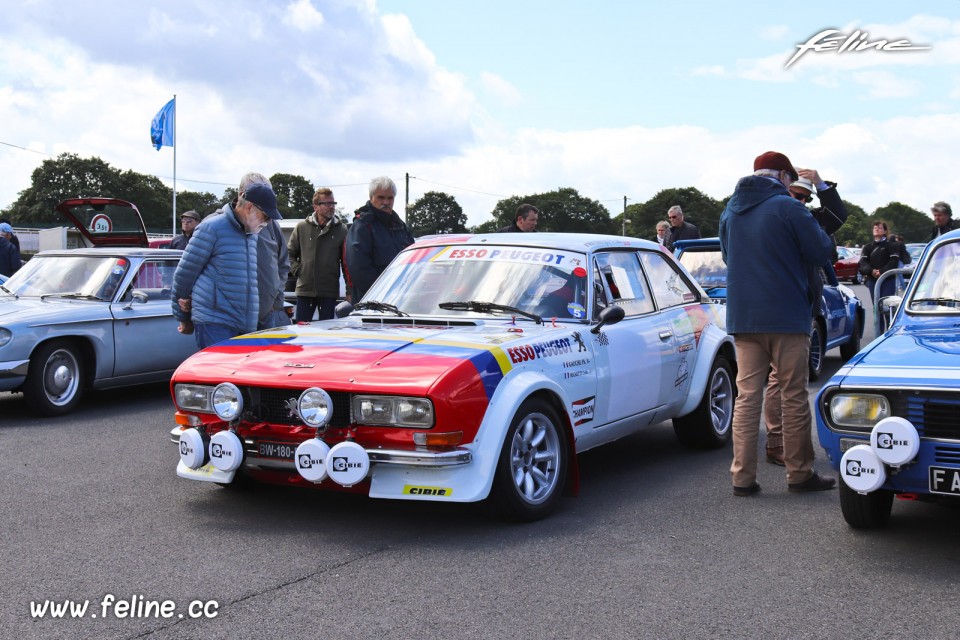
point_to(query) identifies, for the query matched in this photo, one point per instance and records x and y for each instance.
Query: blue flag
(162, 127)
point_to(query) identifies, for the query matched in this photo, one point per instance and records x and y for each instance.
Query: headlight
(393, 411)
(858, 409)
(194, 397)
(227, 401)
(315, 407)
(5, 336)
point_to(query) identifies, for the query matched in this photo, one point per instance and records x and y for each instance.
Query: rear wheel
(54, 381)
(533, 464)
(850, 348)
(708, 426)
(817, 348)
(865, 511)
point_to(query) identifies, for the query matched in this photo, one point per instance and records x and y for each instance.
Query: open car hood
(106, 222)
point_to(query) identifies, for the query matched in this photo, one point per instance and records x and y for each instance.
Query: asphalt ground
(655, 545)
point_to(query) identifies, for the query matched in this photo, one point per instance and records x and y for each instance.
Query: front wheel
(870, 511)
(817, 348)
(532, 467)
(709, 425)
(54, 381)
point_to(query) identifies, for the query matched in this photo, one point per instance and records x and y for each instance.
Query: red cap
(776, 161)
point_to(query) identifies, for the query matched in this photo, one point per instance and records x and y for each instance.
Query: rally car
(474, 369)
(889, 420)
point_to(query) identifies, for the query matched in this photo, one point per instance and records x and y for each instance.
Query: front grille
(934, 414)
(946, 454)
(264, 404)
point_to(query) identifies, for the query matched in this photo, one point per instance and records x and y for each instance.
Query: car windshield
(74, 276)
(706, 266)
(545, 282)
(938, 290)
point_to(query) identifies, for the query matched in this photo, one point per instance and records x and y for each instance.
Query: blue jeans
(209, 333)
(307, 305)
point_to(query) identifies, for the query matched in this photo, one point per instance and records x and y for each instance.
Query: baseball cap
(264, 197)
(775, 160)
(5, 227)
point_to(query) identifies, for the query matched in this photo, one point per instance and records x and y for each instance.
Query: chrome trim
(14, 368)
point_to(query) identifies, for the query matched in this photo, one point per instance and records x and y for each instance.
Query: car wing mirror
(136, 296)
(608, 315)
(343, 309)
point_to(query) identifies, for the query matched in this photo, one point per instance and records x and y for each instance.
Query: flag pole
(174, 164)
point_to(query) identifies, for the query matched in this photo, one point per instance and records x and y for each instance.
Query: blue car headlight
(858, 409)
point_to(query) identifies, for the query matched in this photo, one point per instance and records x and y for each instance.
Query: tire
(870, 511)
(817, 350)
(851, 347)
(532, 467)
(710, 424)
(54, 383)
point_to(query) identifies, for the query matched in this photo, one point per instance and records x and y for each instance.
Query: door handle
(666, 335)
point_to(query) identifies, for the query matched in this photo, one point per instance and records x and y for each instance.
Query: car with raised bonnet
(475, 369)
(839, 320)
(95, 317)
(889, 420)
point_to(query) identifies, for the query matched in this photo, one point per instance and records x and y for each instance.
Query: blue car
(839, 322)
(889, 420)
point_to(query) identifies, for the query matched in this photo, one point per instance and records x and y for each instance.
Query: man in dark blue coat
(768, 315)
(375, 238)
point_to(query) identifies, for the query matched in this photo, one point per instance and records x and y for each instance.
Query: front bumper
(422, 458)
(13, 373)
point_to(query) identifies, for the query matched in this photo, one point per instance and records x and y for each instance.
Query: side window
(622, 283)
(154, 278)
(669, 287)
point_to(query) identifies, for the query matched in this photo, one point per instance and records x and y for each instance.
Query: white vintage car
(475, 368)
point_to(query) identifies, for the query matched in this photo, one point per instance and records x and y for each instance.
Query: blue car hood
(48, 311)
(908, 358)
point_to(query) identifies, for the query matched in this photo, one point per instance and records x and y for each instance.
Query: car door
(145, 334)
(833, 306)
(628, 354)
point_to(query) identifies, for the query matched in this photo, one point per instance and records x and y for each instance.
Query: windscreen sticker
(512, 254)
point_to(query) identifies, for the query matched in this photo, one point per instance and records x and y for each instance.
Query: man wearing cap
(768, 315)
(188, 222)
(943, 219)
(9, 252)
(215, 285)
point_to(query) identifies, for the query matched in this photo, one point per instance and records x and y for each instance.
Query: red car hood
(350, 356)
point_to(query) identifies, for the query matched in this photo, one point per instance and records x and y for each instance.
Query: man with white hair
(375, 238)
(679, 230)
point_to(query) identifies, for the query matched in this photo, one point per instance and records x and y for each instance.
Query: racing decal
(602, 339)
(683, 372)
(421, 255)
(436, 492)
(583, 410)
(510, 254)
(698, 317)
(576, 310)
(537, 350)
(579, 340)
(685, 347)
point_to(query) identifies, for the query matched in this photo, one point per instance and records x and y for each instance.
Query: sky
(488, 100)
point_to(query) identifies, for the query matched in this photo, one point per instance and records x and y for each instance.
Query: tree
(200, 201)
(561, 210)
(698, 208)
(857, 230)
(294, 194)
(436, 212)
(490, 226)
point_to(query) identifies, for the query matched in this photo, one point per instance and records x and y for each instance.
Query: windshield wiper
(488, 307)
(710, 290)
(73, 296)
(380, 306)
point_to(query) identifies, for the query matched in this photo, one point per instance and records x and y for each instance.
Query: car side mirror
(136, 296)
(343, 309)
(609, 315)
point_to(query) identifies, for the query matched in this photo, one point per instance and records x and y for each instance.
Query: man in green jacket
(316, 258)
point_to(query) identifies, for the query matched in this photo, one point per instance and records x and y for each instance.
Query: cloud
(501, 90)
(303, 15)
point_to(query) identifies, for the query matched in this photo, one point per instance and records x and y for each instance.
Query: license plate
(278, 450)
(945, 480)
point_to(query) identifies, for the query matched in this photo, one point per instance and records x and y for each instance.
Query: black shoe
(746, 492)
(814, 483)
(775, 456)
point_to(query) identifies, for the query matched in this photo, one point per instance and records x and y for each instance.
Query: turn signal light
(449, 439)
(186, 419)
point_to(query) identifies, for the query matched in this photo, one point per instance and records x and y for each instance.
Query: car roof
(129, 252)
(581, 242)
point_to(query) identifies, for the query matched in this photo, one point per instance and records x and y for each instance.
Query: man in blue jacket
(215, 285)
(375, 238)
(768, 315)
